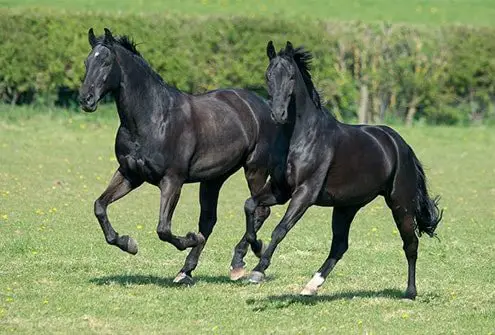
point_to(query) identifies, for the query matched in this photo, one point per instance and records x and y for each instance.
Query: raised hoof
(128, 244)
(237, 273)
(256, 277)
(183, 279)
(309, 291)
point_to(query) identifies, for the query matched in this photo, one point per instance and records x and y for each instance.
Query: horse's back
(363, 164)
(254, 112)
(227, 129)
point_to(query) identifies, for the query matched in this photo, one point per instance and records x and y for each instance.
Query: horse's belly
(215, 163)
(358, 190)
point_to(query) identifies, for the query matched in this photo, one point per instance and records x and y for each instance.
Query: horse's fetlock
(164, 235)
(112, 240)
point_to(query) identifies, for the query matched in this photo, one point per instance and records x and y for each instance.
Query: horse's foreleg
(170, 188)
(119, 186)
(341, 223)
(208, 198)
(302, 198)
(256, 179)
(256, 210)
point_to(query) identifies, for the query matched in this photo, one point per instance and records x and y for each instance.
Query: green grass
(475, 12)
(57, 274)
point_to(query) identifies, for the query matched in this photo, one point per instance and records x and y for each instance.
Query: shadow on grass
(286, 300)
(126, 280)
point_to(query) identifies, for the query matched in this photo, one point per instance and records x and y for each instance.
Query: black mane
(128, 43)
(124, 41)
(303, 59)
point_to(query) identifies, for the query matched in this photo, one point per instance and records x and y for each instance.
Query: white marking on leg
(316, 281)
(312, 286)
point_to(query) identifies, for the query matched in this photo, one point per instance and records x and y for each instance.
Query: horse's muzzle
(279, 117)
(88, 103)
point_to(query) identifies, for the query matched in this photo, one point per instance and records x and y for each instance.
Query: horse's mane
(303, 59)
(124, 41)
(129, 44)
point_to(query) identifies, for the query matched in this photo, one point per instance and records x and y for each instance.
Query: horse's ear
(289, 48)
(270, 50)
(92, 38)
(108, 36)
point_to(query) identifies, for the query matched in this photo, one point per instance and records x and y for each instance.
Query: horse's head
(102, 71)
(280, 78)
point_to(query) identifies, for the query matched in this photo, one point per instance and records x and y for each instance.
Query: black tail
(426, 212)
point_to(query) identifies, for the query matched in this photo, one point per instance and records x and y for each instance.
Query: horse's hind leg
(341, 223)
(256, 179)
(119, 186)
(208, 198)
(404, 219)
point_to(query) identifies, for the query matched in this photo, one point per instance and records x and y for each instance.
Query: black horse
(168, 138)
(334, 164)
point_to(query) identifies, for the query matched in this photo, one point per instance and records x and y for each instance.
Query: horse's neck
(304, 112)
(142, 97)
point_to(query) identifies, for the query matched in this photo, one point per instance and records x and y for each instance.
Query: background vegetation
(369, 70)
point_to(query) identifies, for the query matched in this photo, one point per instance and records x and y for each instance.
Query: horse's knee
(100, 209)
(250, 206)
(411, 249)
(250, 237)
(207, 221)
(262, 212)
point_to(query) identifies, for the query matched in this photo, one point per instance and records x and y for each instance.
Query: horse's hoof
(237, 273)
(262, 249)
(183, 279)
(410, 295)
(256, 277)
(128, 244)
(309, 291)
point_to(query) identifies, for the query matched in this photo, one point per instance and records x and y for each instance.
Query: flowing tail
(426, 212)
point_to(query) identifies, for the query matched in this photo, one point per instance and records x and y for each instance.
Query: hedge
(373, 72)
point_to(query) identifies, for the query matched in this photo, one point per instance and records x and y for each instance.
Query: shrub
(371, 72)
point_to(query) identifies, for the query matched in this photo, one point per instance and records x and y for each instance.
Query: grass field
(57, 274)
(474, 12)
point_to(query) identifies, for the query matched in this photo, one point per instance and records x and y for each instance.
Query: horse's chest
(304, 166)
(296, 169)
(141, 161)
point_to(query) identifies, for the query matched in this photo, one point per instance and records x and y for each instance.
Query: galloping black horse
(168, 138)
(334, 164)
